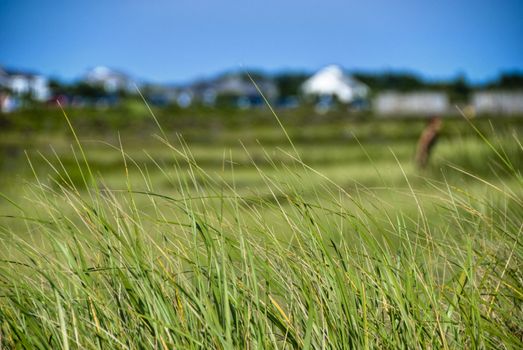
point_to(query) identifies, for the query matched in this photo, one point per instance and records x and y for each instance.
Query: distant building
(20, 83)
(7, 103)
(203, 91)
(185, 98)
(160, 95)
(414, 103)
(331, 81)
(498, 102)
(235, 89)
(111, 80)
(247, 94)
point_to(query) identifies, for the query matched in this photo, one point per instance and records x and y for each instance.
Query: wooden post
(427, 140)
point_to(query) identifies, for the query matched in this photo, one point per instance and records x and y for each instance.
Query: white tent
(332, 81)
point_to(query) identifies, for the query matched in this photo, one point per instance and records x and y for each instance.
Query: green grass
(241, 243)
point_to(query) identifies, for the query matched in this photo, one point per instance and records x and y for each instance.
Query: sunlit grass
(255, 247)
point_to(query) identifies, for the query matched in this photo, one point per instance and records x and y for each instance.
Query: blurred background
(354, 83)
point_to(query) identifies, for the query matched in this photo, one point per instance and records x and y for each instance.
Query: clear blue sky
(179, 40)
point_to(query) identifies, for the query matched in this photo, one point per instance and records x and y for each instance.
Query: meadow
(259, 232)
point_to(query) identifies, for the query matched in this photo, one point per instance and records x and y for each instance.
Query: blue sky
(180, 40)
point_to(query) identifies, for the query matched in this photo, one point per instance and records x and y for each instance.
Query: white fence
(416, 103)
(498, 102)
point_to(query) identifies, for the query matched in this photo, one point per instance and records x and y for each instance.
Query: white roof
(331, 80)
(102, 73)
(111, 79)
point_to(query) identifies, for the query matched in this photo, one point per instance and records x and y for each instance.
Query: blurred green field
(371, 159)
(375, 155)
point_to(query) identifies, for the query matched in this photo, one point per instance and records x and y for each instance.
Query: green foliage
(289, 84)
(391, 81)
(509, 81)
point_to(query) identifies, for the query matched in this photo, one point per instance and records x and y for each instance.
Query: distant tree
(57, 87)
(390, 81)
(86, 90)
(509, 80)
(289, 83)
(254, 74)
(459, 89)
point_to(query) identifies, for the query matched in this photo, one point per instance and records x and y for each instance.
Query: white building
(415, 103)
(236, 86)
(498, 102)
(7, 103)
(110, 79)
(23, 83)
(331, 81)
